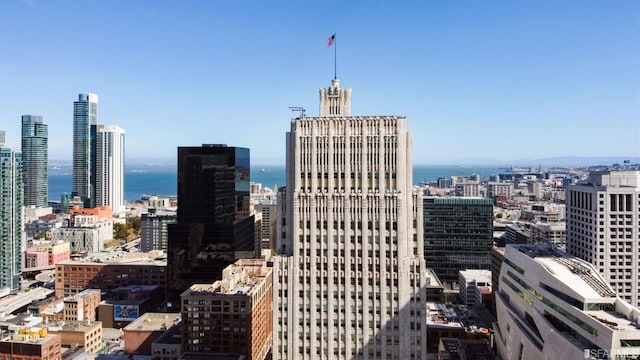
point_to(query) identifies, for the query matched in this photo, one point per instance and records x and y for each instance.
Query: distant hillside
(580, 161)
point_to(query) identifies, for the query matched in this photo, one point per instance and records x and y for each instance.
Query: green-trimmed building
(458, 235)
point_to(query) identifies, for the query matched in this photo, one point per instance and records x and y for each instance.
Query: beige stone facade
(87, 334)
(349, 275)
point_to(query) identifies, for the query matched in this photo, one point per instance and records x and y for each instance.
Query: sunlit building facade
(349, 275)
(109, 174)
(551, 305)
(603, 228)
(235, 312)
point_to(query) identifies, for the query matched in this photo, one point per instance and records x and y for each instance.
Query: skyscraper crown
(335, 101)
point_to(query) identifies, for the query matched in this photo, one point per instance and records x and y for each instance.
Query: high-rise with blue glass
(85, 118)
(35, 160)
(11, 205)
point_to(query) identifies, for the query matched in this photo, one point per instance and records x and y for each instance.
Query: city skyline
(494, 80)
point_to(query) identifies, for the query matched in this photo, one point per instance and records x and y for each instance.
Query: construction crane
(299, 109)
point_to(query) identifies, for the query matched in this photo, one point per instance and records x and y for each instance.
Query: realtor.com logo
(613, 354)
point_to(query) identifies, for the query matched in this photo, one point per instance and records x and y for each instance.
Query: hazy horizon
(478, 81)
(547, 162)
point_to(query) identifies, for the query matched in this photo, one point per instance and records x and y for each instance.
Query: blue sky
(489, 81)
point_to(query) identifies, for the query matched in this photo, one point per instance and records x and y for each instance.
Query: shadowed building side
(214, 227)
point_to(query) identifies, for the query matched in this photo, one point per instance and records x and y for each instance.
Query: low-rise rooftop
(82, 295)
(469, 318)
(73, 326)
(240, 278)
(577, 274)
(614, 320)
(154, 322)
(35, 336)
(154, 257)
(171, 336)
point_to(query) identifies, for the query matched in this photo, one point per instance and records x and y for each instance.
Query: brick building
(236, 311)
(82, 306)
(74, 276)
(32, 345)
(140, 334)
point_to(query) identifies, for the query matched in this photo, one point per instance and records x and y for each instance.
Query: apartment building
(232, 315)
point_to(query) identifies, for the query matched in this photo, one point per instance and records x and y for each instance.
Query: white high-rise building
(551, 305)
(110, 167)
(349, 277)
(603, 228)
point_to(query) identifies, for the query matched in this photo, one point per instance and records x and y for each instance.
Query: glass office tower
(214, 227)
(35, 161)
(11, 200)
(85, 118)
(458, 235)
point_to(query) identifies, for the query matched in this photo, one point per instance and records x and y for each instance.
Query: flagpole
(335, 57)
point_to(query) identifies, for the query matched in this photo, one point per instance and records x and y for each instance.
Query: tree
(120, 231)
(134, 223)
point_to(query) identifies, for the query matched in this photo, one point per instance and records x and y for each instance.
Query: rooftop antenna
(299, 109)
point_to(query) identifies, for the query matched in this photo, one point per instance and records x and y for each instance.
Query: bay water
(163, 181)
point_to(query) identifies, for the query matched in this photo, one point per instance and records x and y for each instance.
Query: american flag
(331, 40)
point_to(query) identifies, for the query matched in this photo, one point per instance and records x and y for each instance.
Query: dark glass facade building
(85, 119)
(214, 226)
(458, 235)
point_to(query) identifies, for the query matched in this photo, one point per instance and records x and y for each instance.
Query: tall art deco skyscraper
(11, 205)
(85, 118)
(35, 160)
(349, 276)
(109, 174)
